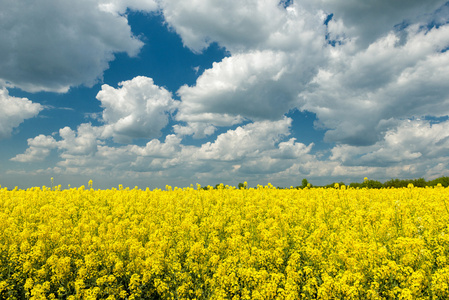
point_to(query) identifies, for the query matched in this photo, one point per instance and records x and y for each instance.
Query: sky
(151, 93)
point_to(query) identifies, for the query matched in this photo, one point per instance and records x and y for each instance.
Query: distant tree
(420, 182)
(444, 181)
(241, 185)
(304, 183)
(395, 183)
(332, 185)
(356, 185)
(372, 184)
(401, 183)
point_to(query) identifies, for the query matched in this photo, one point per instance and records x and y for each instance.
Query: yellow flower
(225, 243)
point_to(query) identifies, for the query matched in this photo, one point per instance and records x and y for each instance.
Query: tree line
(367, 183)
(395, 183)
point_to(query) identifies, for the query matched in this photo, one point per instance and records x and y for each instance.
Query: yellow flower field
(225, 243)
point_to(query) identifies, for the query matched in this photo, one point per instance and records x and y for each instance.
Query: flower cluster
(224, 243)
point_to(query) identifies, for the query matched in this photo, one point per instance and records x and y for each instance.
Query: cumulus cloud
(81, 142)
(241, 26)
(246, 141)
(257, 85)
(137, 109)
(259, 151)
(274, 51)
(292, 150)
(368, 21)
(236, 153)
(14, 111)
(410, 140)
(121, 6)
(414, 148)
(154, 148)
(356, 92)
(201, 129)
(247, 85)
(374, 74)
(233, 24)
(38, 149)
(358, 98)
(52, 45)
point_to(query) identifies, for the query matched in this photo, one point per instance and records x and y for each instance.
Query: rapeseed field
(225, 243)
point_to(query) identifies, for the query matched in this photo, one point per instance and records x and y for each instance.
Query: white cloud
(257, 151)
(38, 149)
(201, 129)
(241, 26)
(14, 111)
(437, 169)
(52, 45)
(356, 94)
(121, 6)
(359, 97)
(239, 87)
(138, 109)
(81, 142)
(273, 57)
(368, 21)
(410, 140)
(292, 149)
(256, 148)
(415, 148)
(362, 90)
(250, 86)
(154, 148)
(233, 24)
(263, 165)
(258, 85)
(247, 141)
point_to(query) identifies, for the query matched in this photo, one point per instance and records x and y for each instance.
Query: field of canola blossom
(226, 243)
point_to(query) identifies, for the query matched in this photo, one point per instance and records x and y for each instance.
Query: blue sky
(149, 93)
